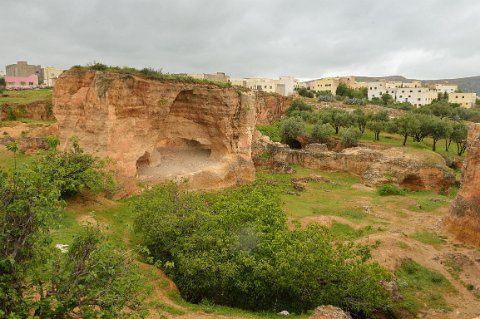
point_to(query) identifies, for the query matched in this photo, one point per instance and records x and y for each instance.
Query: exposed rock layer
(156, 131)
(413, 171)
(464, 218)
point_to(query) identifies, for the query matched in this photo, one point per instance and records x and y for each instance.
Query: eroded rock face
(413, 171)
(464, 218)
(154, 131)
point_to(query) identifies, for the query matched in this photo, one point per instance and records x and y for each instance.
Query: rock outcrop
(413, 171)
(35, 111)
(161, 130)
(464, 217)
(270, 107)
(329, 312)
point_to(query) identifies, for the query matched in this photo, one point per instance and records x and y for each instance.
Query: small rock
(283, 313)
(62, 247)
(329, 312)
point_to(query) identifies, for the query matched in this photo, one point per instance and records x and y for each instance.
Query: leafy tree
(298, 105)
(439, 129)
(306, 92)
(93, 279)
(336, 118)
(321, 133)
(234, 248)
(360, 118)
(406, 126)
(33, 277)
(459, 136)
(376, 127)
(2, 83)
(350, 136)
(291, 129)
(387, 99)
(74, 170)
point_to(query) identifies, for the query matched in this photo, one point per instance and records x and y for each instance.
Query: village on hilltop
(22, 75)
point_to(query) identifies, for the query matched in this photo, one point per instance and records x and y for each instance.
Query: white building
(417, 96)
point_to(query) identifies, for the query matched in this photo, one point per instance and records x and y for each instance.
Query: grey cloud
(422, 39)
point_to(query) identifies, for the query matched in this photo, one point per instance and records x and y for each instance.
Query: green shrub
(350, 137)
(234, 248)
(322, 132)
(390, 189)
(271, 130)
(291, 129)
(298, 105)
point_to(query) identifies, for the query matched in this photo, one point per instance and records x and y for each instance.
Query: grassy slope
(25, 97)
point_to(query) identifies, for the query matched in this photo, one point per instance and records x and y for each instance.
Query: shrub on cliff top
(234, 248)
(148, 73)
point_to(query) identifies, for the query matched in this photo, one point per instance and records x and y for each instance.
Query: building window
(401, 96)
(30, 83)
(418, 99)
(22, 83)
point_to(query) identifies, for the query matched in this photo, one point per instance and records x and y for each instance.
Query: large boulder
(161, 130)
(329, 312)
(464, 217)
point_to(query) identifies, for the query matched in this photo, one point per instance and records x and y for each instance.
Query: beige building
(325, 84)
(285, 85)
(217, 77)
(50, 75)
(466, 100)
(378, 88)
(446, 88)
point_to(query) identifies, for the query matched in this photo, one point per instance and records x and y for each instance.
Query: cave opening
(412, 182)
(175, 157)
(294, 144)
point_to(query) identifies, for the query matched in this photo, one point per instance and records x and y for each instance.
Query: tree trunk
(434, 145)
(405, 139)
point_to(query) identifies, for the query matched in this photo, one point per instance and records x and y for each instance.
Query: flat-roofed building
(23, 75)
(325, 84)
(446, 88)
(466, 100)
(378, 88)
(50, 75)
(218, 77)
(417, 96)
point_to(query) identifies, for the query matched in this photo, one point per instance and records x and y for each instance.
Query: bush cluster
(234, 248)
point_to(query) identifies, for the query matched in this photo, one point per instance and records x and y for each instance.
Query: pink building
(21, 82)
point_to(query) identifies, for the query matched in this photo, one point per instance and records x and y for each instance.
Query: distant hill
(468, 84)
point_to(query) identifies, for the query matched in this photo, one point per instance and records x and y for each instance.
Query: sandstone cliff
(154, 130)
(464, 218)
(413, 171)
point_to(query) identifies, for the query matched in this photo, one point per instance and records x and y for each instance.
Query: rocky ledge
(407, 168)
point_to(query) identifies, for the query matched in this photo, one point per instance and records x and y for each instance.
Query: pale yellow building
(217, 77)
(50, 75)
(325, 84)
(466, 100)
(417, 96)
(446, 88)
(285, 85)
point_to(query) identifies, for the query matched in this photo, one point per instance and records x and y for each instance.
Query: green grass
(427, 238)
(25, 97)
(421, 288)
(397, 140)
(6, 159)
(346, 232)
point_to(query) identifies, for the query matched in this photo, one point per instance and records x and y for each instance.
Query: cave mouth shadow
(412, 182)
(294, 144)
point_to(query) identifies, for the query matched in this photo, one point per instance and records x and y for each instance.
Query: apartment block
(446, 88)
(23, 75)
(466, 100)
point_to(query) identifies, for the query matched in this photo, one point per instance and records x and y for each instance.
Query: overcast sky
(425, 39)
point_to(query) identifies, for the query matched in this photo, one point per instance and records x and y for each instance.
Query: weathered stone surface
(464, 217)
(34, 111)
(154, 131)
(329, 312)
(270, 107)
(414, 171)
